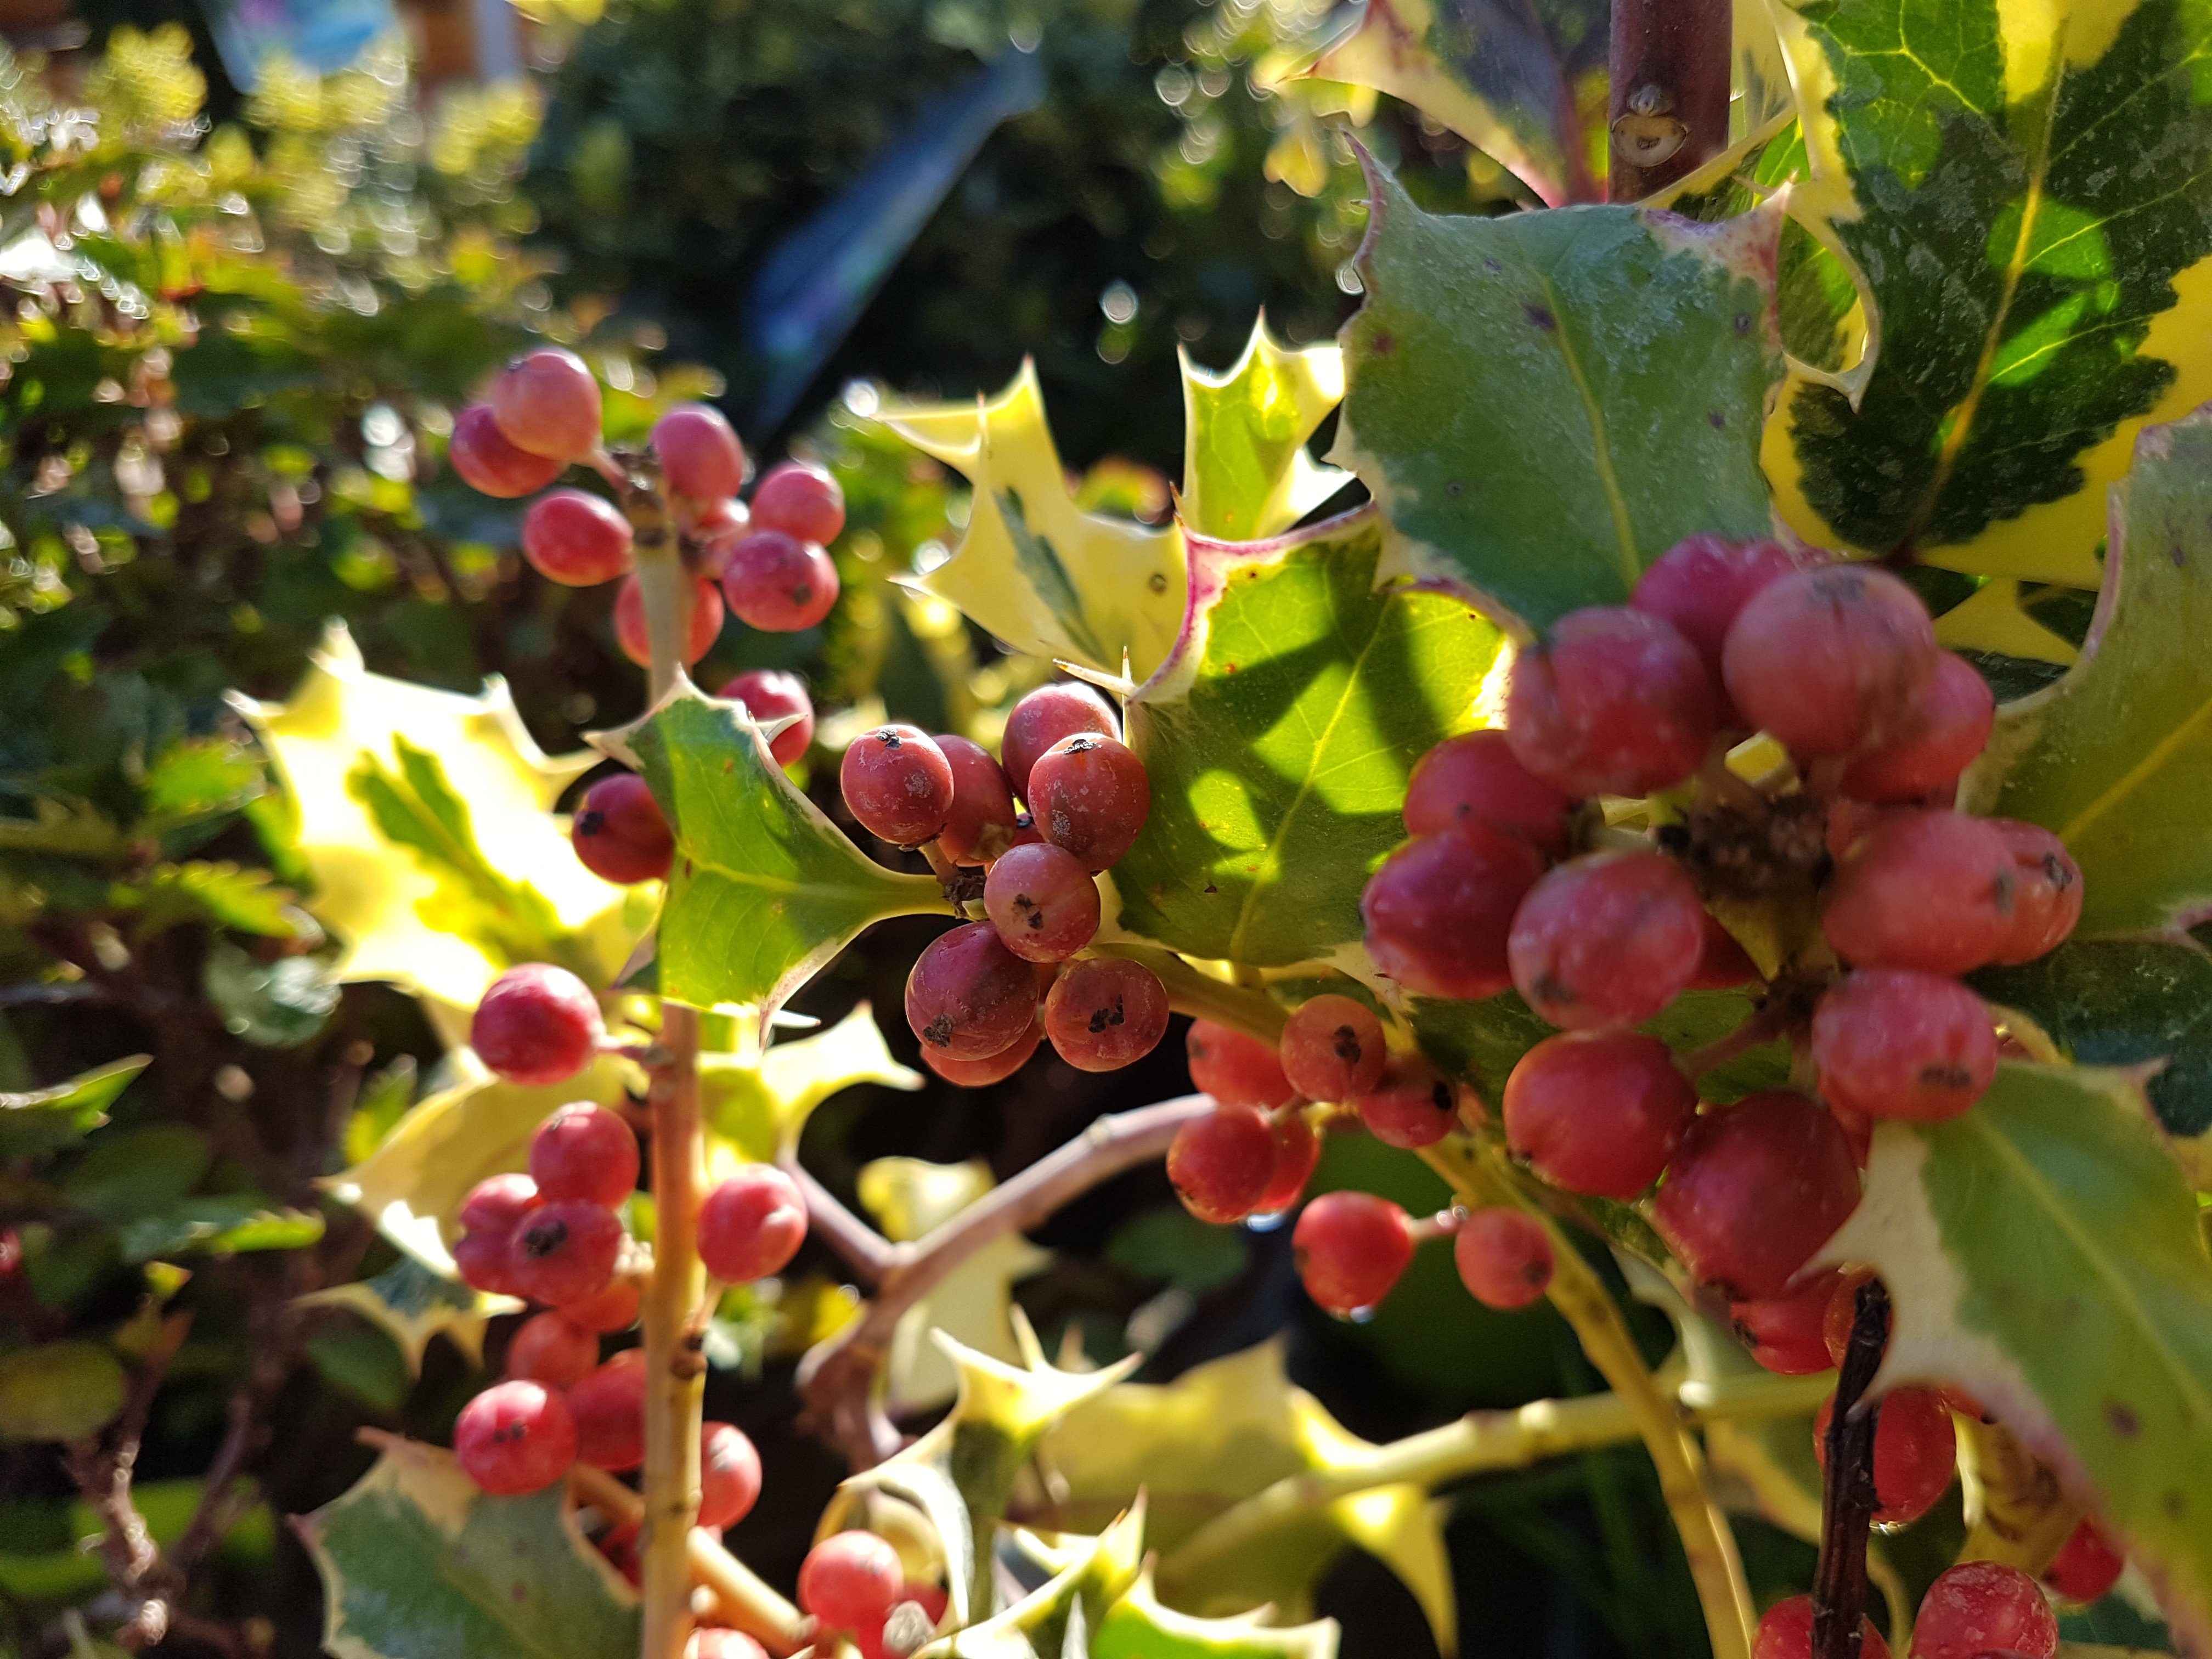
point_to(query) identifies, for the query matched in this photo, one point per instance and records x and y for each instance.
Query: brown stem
(866, 1250)
(1847, 1500)
(103, 1476)
(1669, 108)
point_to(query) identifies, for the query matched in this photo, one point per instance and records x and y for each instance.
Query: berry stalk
(1848, 1499)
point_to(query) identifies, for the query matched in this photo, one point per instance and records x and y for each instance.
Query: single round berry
(729, 1474)
(898, 784)
(1753, 1190)
(1788, 1334)
(1297, 1149)
(496, 1203)
(718, 1642)
(1235, 1069)
(1842, 1313)
(1333, 1048)
(700, 455)
(702, 623)
(1978, 1607)
(547, 402)
(615, 1309)
(575, 539)
(1932, 890)
(1105, 1012)
(981, 824)
(1474, 779)
(1916, 1450)
(1042, 718)
(1505, 1258)
(566, 1253)
(1701, 582)
(721, 519)
(992, 1068)
(1614, 702)
(968, 997)
(1411, 1108)
(2086, 1565)
(1608, 940)
(1438, 912)
(515, 1437)
(609, 1407)
(1221, 1164)
(485, 1263)
(553, 1349)
(489, 463)
(1043, 903)
(1939, 739)
(1831, 660)
(770, 695)
(801, 500)
(1598, 1114)
(1785, 1632)
(619, 833)
(1896, 1042)
(851, 1580)
(583, 1153)
(751, 1224)
(1090, 794)
(778, 583)
(2046, 893)
(537, 1024)
(1350, 1246)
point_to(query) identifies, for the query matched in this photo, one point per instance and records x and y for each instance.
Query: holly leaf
(764, 890)
(1140, 1626)
(415, 1561)
(1543, 404)
(2024, 190)
(58, 1391)
(2044, 1254)
(217, 895)
(392, 907)
(1058, 1617)
(1278, 737)
(36, 1121)
(2116, 757)
(755, 1107)
(1246, 473)
(411, 1304)
(1033, 568)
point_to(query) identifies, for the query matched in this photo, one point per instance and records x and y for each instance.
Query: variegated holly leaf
(1246, 473)
(2044, 1253)
(1141, 1626)
(2025, 190)
(1058, 1617)
(419, 869)
(415, 1561)
(756, 1106)
(1279, 738)
(2116, 757)
(410, 1303)
(1033, 568)
(764, 890)
(1545, 403)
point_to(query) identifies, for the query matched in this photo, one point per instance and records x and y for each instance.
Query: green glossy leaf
(199, 778)
(224, 1224)
(410, 1303)
(764, 890)
(2027, 190)
(273, 1005)
(130, 1172)
(1545, 403)
(2045, 1253)
(58, 1391)
(416, 1564)
(1278, 737)
(363, 1360)
(1138, 1626)
(217, 895)
(1245, 471)
(39, 1121)
(2117, 757)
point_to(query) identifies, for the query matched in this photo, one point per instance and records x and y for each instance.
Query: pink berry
(1614, 702)
(700, 456)
(1237, 1070)
(729, 1474)
(851, 1580)
(968, 997)
(1978, 1607)
(566, 1253)
(992, 1068)
(2046, 893)
(1788, 1334)
(615, 1309)
(1753, 1190)
(778, 583)
(547, 402)
(1090, 795)
(2087, 1566)
(981, 825)
(770, 695)
(496, 1203)
(1701, 582)
(575, 539)
(552, 1349)
(586, 1154)
(1926, 890)
(485, 1263)
(1723, 964)
(1831, 660)
(751, 1224)
(1042, 718)
(609, 1407)
(1786, 1632)
(1221, 1164)
(1598, 1114)
(1333, 1048)
(1473, 778)
(537, 1024)
(619, 833)
(1105, 1012)
(801, 500)
(1945, 730)
(1043, 903)
(1351, 1248)
(1608, 940)
(1895, 1043)
(1297, 1150)
(1438, 912)
(489, 463)
(1503, 1257)
(897, 782)
(1916, 1450)
(1412, 1107)
(702, 625)
(515, 1437)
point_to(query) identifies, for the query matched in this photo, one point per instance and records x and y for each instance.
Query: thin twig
(867, 1251)
(1848, 1499)
(103, 1476)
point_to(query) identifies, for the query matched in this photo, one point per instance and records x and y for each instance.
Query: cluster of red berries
(854, 1583)
(1976, 1610)
(768, 560)
(984, 994)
